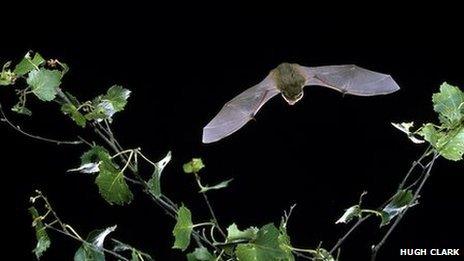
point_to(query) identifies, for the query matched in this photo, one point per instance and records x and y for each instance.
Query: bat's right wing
(350, 79)
(238, 111)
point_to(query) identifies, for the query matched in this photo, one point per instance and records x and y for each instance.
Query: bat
(288, 79)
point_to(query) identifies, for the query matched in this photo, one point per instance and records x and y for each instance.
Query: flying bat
(288, 79)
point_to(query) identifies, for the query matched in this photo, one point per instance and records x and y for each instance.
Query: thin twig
(348, 233)
(377, 247)
(18, 129)
(85, 242)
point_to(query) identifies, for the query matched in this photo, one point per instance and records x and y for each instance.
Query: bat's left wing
(238, 111)
(350, 79)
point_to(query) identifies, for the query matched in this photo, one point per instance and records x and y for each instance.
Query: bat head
(291, 100)
(289, 81)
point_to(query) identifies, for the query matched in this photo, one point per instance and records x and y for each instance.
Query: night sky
(182, 63)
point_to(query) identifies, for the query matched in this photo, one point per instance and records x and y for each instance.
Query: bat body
(288, 80)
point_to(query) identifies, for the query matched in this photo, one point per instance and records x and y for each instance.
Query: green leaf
(233, 233)
(21, 109)
(451, 146)
(183, 228)
(44, 83)
(154, 184)
(193, 166)
(76, 116)
(201, 254)
(117, 96)
(221, 185)
(112, 185)
(430, 134)
(448, 103)
(350, 213)
(323, 255)
(398, 204)
(88, 253)
(268, 246)
(95, 155)
(43, 241)
(27, 64)
(6, 76)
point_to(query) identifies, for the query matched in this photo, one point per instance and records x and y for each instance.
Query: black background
(182, 62)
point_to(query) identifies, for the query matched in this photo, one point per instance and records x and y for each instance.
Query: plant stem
(377, 247)
(18, 129)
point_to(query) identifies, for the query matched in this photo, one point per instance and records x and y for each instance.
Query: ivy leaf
(21, 109)
(448, 103)
(43, 241)
(91, 250)
(398, 204)
(221, 185)
(154, 183)
(112, 185)
(44, 83)
(200, 254)
(193, 166)
(350, 213)
(233, 233)
(27, 64)
(451, 146)
(183, 228)
(267, 246)
(76, 116)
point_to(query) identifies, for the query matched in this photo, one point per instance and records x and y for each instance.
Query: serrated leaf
(233, 233)
(201, 254)
(193, 166)
(43, 241)
(95, 155)
(112, 185)
(183, 228)
(88, 253)
(76, 116)
(398, 204)
(21, 109)
(44, 83)
(451, 146)
(27, 64)
(221, 185)
(430, 134)
(448, 103)
(267, 246)
(92, 249)
(117, 96)
(154, 184)
(350, 213)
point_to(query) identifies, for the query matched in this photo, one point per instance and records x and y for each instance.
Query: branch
(3, 118)
(376, 249)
